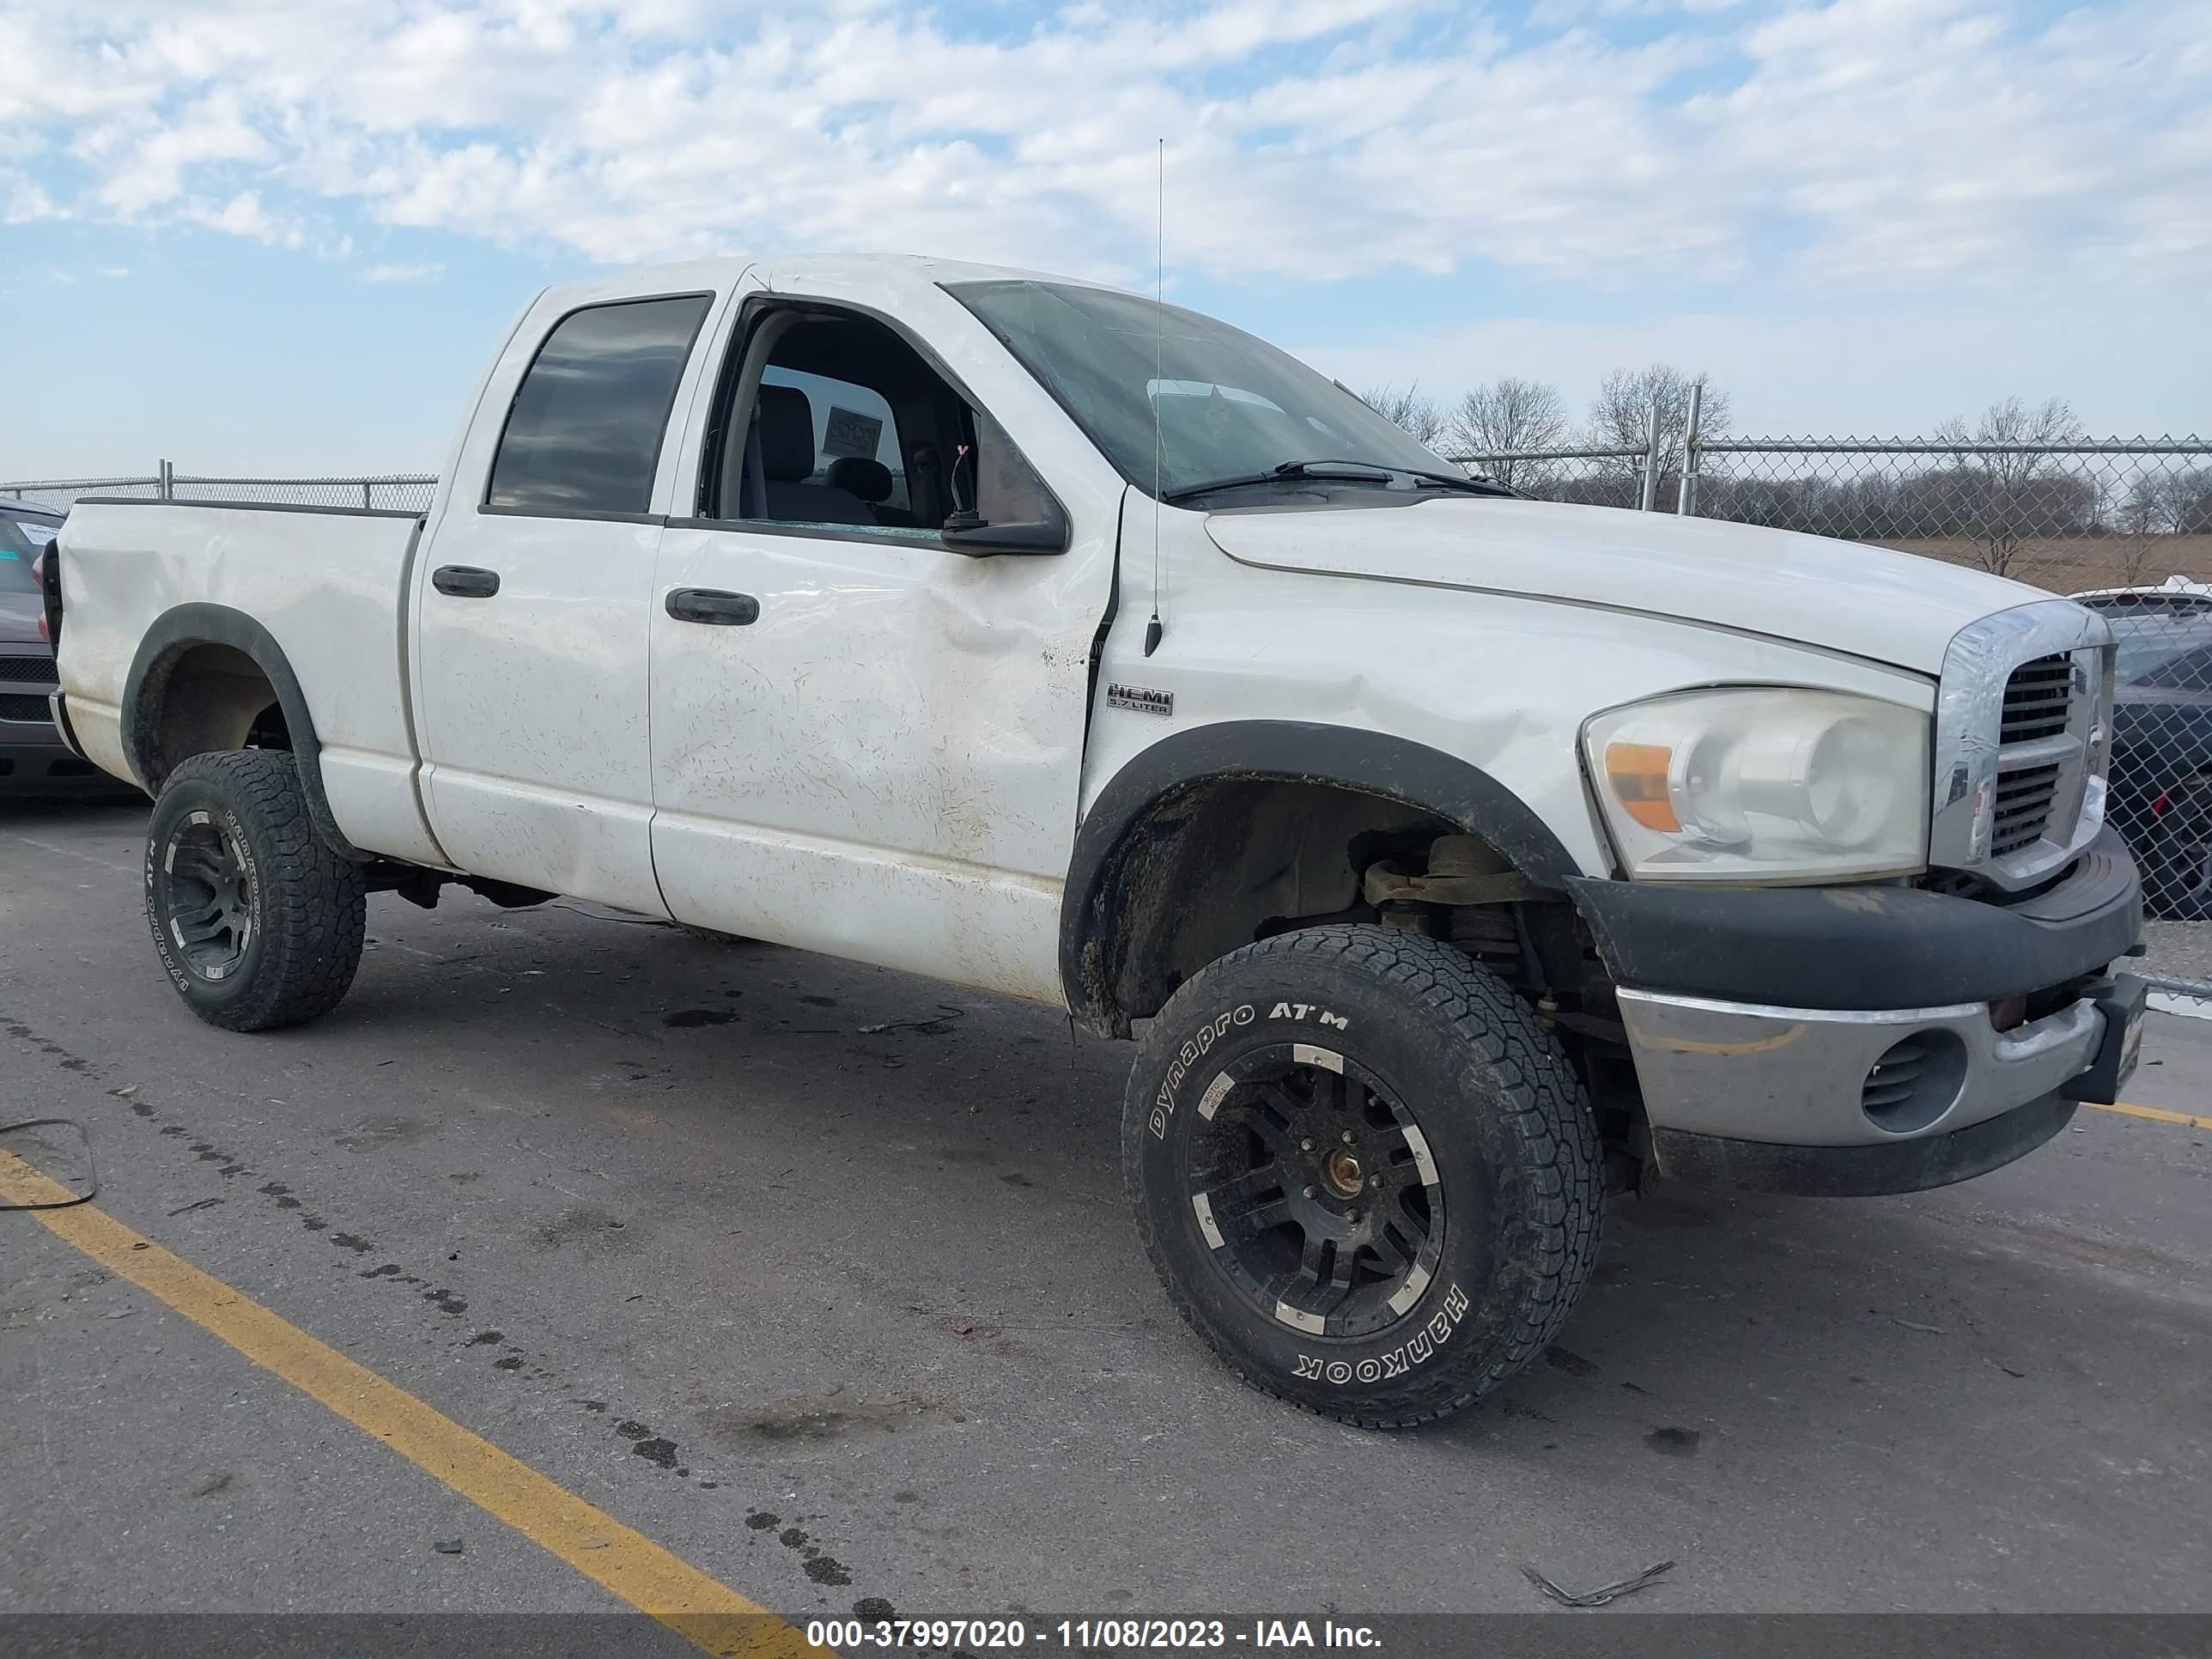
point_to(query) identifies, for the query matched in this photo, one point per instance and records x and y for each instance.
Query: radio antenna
(1152, 629)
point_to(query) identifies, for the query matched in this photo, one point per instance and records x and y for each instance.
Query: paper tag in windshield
(38, 534)
(850, 434)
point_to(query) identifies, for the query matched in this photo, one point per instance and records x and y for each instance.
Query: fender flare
(1303, 751)
(178, 630)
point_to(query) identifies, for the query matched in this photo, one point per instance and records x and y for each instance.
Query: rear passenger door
(532, 602)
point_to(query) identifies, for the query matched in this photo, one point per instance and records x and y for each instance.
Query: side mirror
(980, 540)
(1000, 505)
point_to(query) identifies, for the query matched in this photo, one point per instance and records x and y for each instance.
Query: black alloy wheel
(1367, 1173)
(206, 896)
(1321, 1187)
(258, 920)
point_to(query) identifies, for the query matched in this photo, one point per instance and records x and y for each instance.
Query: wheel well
(1222, 861)
(208, 679)
(202, 697)
(1215, 863)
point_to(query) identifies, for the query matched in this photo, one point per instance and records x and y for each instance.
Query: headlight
(1766, 784)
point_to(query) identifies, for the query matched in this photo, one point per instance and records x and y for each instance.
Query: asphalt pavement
(821, 1278)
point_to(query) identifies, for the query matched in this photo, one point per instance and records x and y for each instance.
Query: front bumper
(1855, 947)
(1814, 1101)
(1763, 1066)
(1905, 1166)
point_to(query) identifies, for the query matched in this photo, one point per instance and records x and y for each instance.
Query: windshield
(1230, 405)
(19, 544)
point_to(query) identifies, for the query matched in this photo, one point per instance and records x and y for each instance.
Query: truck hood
(1888, 607)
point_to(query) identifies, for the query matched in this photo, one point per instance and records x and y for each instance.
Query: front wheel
(257, 922)
(1365, 1173)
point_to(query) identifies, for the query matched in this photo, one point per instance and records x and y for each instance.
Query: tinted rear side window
(2186, 670)
(584, 434)
(16, 553)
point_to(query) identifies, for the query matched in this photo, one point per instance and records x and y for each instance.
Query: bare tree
(2168, 504)
(2157, 507)
(1420, 414)
(1493, 424)
(2190, 493)
(2143, 520)
(1620, 415)
(2006, 498)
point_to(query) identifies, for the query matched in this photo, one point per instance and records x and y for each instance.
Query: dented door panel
(885, 764)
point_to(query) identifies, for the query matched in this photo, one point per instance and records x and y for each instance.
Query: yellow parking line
(703, 1610)
(2155, 1114)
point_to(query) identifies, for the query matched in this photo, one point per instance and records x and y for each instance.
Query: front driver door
(877, 753)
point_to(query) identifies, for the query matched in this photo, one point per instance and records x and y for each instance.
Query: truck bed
(328, 584)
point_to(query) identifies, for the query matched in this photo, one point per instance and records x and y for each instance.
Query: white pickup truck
(1459, 857)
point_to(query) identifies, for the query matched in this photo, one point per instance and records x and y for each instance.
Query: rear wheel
(1365, 1173)
(257, 922)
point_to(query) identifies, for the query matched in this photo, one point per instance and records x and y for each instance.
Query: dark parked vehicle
(2161, 773)
(33, 760)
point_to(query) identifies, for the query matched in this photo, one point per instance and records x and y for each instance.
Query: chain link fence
(1587, 477)
(403, 492)
(2125, 525)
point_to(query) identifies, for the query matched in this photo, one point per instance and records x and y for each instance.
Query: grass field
(2070, 564)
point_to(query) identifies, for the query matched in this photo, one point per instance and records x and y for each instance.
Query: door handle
(464, 582)
(712, 606)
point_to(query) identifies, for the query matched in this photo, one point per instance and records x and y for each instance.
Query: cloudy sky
(265, 234)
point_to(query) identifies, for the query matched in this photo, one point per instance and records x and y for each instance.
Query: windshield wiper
(1459, 481)
(1375, 472)
(1448, 480)
(1362, 473)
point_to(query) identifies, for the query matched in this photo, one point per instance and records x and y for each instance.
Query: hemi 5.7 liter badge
(1143, 700)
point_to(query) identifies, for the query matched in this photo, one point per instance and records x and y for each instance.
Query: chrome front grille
(2022, 716)
(2036, 699)
(2025, 799)
(2039, 705)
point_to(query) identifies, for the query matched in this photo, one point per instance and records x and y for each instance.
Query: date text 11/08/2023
(1124, 1635)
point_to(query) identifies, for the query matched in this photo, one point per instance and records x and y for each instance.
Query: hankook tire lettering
(1422, 1345)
